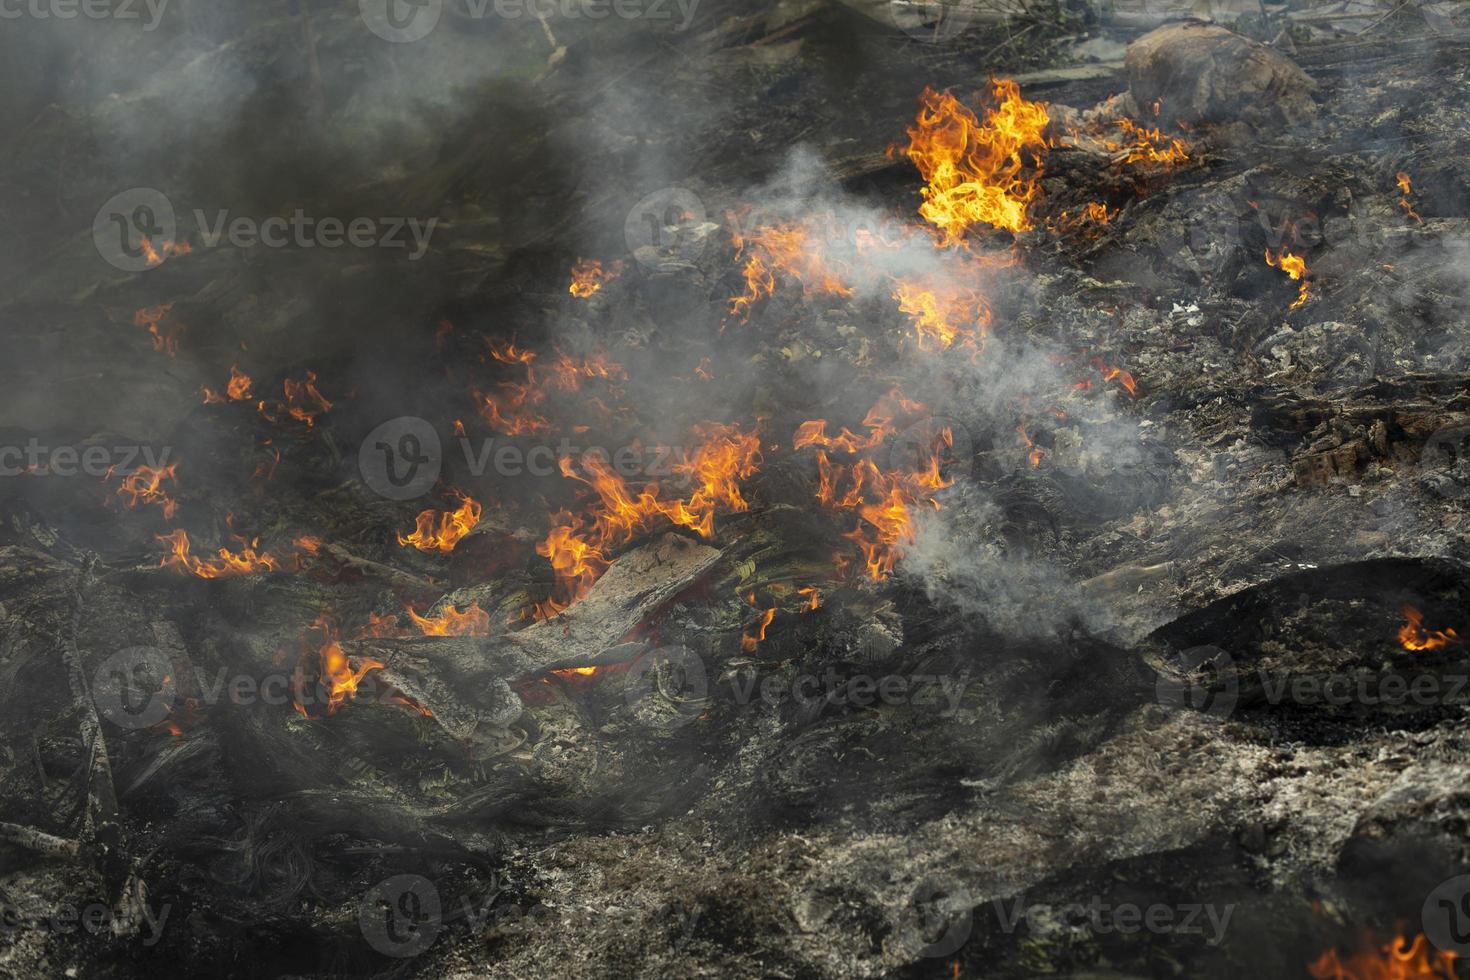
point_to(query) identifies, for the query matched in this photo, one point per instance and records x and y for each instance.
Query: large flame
(1397, 959)
(977, 172)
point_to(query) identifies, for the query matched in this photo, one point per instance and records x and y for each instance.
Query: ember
(1413, 635)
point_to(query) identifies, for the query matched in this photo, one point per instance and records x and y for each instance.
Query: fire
(1035, 454)
(435, 531)
(1413, 635)
(247, 561)
(166, 249)
(1405, 188)
(1117, 374)
(236, 390)
(1148, 145)
(508, 410)
(750, 641)
(813, 597)
(472, 621)
(943, 313)
(165, 339)
(303, 401)
(589, 276)
(1294, 266)
(577, 547)
(883, 501)
(335, 675)
(1397, 959)
(795, 249)
(145, 486)
(977, 172)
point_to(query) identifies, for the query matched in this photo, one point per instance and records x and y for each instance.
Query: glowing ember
(1397, 959)
(435, 531)
(589, 275)
(1294, 266)
(977, 172)
(1413, 635)
(145, 486)
(236, 390)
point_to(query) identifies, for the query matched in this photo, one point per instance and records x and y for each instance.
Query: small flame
(1294, 266)
(303, 402)
(589, 276)
(1413, 635)
(1406, 188)
(472, 621)
(165, 338)
(794, 249)
(236, 390)
(1397, 959)
(436, 531)
(145, 486)
(247, 561)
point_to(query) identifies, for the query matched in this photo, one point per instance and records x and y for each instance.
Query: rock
(1204, 73)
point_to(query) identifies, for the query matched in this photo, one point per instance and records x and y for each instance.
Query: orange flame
(977, 172)
(794, 249)
(473, 621)
(303, 401)
(236, 390)
(1405, 188)
(165, 339)
(588, 276)
(145, 486)
(1294, 266)
(1397, 959)
(943, 312)
(334, 672)
(884, 502)
(246, 561)
(577, 547)
(435, 531)
(1413, 636)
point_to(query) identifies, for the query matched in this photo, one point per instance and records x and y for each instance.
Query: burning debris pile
(1032, 516)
